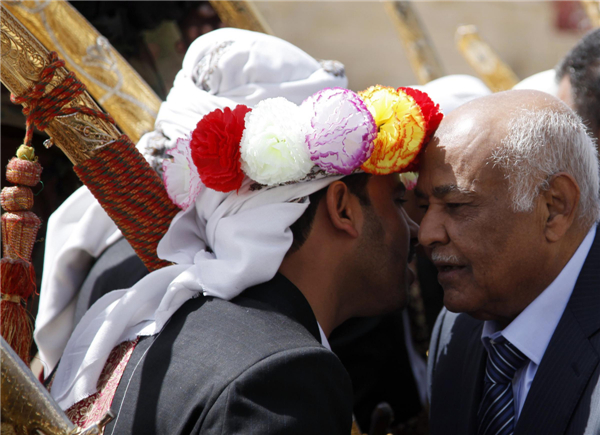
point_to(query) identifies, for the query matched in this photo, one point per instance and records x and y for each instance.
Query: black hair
(582, 66)
(357, 185)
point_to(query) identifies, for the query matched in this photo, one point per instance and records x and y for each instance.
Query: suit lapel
(457, 377)
(570, 359)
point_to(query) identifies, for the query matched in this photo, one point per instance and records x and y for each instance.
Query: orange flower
(401, 129)
(431, 111)
(433, 116)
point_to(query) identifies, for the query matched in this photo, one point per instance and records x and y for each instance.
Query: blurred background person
(578, 78)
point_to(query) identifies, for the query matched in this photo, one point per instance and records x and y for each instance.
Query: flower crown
(334, 132)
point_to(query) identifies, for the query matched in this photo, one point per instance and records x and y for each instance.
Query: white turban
(221, 69)
(224, 244)
(544, 81)
(454, 90)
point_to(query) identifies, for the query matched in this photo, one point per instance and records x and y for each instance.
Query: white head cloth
(223, 68)
(221, 246)
(544, 81)
(454, 90)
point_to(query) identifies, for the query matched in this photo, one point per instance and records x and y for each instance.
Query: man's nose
(432, 230)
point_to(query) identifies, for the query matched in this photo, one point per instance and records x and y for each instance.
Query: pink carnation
(181, 175)
(342, 130)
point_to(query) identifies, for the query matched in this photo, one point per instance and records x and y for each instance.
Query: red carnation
(431, 111)
(431, 115)
(215, 148)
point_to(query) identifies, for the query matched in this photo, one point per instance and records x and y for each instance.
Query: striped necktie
(497, 410)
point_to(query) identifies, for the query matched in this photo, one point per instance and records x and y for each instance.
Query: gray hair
(542, 143)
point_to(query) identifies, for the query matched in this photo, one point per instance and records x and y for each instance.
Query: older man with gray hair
(510, 186)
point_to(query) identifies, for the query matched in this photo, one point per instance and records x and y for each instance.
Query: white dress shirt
(532, 330)
(324, 340)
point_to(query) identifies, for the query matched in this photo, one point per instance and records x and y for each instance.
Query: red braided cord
(132, 194)
(40, 109)
(127, 188)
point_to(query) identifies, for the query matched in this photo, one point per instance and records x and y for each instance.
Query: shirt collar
(324, 340)
(532, 330)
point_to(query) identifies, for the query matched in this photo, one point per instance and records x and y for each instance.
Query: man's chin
(455, 302)
(453, 277)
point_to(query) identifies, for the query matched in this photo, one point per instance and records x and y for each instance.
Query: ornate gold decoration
(355, 430)
(497, 75)
(28, 408)
(79, 136)
(241, 14)
(107, 76)
(592, 8)
(418, 46)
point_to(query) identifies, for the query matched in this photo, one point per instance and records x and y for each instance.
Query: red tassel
(17, 284)
(18, 277)
(19, 230)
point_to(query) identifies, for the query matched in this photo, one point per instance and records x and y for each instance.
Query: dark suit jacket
(565, 394)
(374, 353)
(253, 365)
(371, 349)
(118, 267)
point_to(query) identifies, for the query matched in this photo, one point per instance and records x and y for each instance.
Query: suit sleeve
(300, 391)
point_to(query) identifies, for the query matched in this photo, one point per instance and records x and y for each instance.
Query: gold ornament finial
(496, 74)
(419, 48)
(27, 153)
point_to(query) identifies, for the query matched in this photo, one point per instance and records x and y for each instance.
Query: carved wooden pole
(107, 162)
(241, 14)
(592, 8)
(418, 46)
(108, 77)
(496, 74)
(28, 408)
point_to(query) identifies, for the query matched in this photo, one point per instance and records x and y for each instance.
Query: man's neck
(317, 286)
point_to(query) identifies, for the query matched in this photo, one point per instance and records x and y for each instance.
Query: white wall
(361, 35)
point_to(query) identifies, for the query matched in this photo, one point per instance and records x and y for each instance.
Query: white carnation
(273, 147)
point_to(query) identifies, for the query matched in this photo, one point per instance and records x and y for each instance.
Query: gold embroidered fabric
(93, 408)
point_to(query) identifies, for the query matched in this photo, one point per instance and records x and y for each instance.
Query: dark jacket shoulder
(564, 395)
(250, 365)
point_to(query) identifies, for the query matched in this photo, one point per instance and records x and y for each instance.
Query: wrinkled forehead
(460, 153)
(463, 145)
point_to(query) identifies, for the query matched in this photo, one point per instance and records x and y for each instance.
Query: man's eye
(453, 204)
(424, 206)
(400, 201)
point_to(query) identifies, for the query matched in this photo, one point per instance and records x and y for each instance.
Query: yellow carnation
(401, 129)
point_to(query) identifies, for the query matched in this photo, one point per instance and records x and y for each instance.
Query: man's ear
(561, 201)
(344, 209)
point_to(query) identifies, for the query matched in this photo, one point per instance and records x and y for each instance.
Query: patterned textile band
(13, 298)
(132, 194)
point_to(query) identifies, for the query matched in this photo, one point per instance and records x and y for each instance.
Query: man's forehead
(473, 135)
(459, 175)
(458, 161)
(460, 152)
